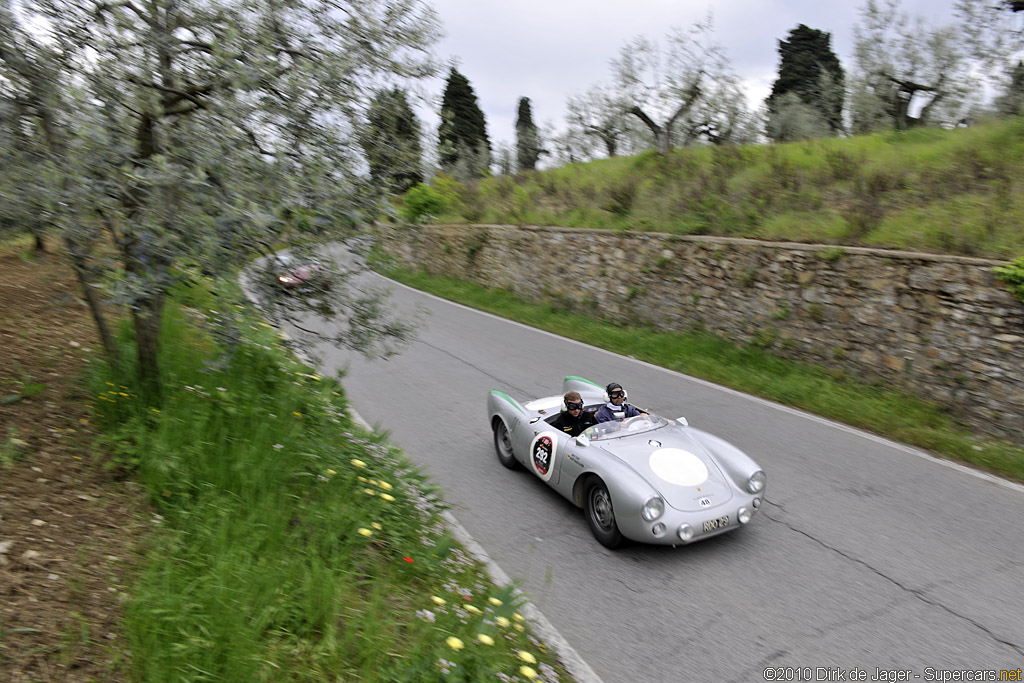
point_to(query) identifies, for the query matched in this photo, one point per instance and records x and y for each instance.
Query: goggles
(574, 406)
(617, 393)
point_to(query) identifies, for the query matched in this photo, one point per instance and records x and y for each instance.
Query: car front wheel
(601, 516)
(503, 445)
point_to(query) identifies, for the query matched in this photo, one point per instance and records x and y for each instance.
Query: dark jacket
(573, 426)
(607, 412)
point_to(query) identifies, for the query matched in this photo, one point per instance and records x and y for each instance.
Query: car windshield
(633, 425)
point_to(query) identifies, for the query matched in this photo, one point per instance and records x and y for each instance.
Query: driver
(616, 408)
(573, 419)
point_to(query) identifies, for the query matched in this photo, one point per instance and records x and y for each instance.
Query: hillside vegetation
(948, 191)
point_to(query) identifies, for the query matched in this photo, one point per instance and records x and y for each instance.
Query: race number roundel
(542, 454)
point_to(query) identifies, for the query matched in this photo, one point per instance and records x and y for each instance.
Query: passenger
(616, 408)
(573, 419)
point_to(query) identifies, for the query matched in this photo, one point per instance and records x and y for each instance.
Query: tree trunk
(611, 145)
(80, 265)
(147, 316)
(662, 136)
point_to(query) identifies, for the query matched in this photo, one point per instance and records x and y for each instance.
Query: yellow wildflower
(518, 627)
(384, 485)
(388, 497)
(502, 621)
(356, 462)
(454, 643)
(485, 639)
(331, 473)
(518, 617)
(296, 413)
(437, 600)
(528, 672)
(363, 531)
(473, 609)
(377, 526)
(369, 492)
(495, 601)
(527, 657)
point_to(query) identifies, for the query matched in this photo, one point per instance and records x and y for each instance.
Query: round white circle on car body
(678, 467)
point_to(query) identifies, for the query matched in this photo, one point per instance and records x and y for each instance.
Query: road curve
(867, 557)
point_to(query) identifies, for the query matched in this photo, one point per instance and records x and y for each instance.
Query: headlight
(743, 514)
(756, 482)
(653, 509)
(685, 532)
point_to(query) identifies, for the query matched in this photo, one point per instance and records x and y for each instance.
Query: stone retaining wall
(939, 326)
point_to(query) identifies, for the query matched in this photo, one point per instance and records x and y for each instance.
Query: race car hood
(677, 466)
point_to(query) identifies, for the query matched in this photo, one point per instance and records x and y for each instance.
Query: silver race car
(644, 478)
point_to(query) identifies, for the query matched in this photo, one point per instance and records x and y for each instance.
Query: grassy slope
(956, 191)
(289, 545)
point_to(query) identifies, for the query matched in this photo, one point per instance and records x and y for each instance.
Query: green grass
(947, 191)
(287, 544)
(893, 414)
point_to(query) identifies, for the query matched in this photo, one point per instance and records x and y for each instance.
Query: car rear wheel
(503, 445)
(601, 516)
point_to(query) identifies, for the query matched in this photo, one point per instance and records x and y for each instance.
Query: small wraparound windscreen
(615, 429)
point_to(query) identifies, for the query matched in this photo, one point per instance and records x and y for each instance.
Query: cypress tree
(810, 69)
(464, 149)
(391, 141)
(528, 149)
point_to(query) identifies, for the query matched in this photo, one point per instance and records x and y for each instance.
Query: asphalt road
(868, 556)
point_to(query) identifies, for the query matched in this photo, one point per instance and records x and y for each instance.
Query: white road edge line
(570, 659)
(985, 476)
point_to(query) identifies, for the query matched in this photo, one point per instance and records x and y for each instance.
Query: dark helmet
(612, 387)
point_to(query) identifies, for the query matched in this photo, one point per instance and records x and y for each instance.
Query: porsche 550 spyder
(645, 478)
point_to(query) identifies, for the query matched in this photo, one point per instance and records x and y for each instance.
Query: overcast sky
(548, 50)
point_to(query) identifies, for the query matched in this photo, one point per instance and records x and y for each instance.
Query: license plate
(714, 524)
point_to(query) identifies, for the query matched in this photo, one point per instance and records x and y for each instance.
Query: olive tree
(907, 72)
(194, 134)
(598, 115)
(993, 32)
(687, 85)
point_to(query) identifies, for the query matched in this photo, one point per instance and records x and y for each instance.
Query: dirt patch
(69, 525)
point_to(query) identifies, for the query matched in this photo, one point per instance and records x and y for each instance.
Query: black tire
(597, 504)
(503, 445)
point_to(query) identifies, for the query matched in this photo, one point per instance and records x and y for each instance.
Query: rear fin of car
(501, 395)
(580, 384)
